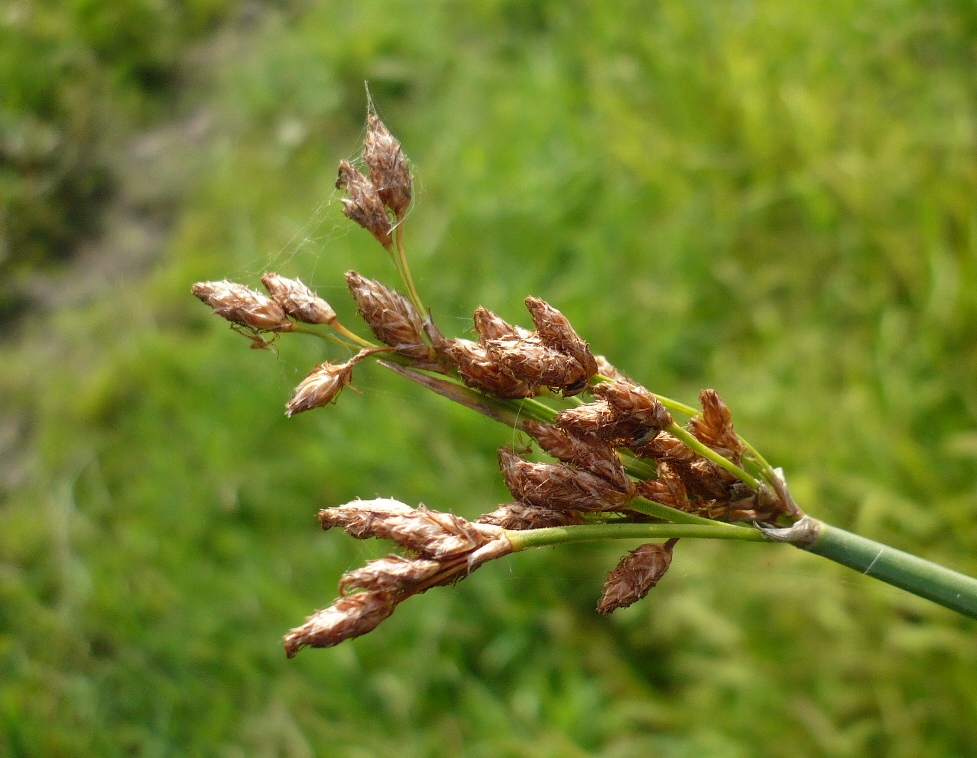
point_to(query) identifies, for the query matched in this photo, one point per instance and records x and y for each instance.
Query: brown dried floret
(320, 387)
(363, 205)
(243, 306)
(585, 451)
(665, 446)
(538, 365)
(389, 171)
(635, 575)
(349, 616)
(390, 315)
(555, 331)
(714, 428)
(479, 370)
(597, 418)
(640, 413)
(298, 300)
(521, 516)
(667, 488)
(559, 486)
(432, 534)
(490, 326)
(394, 573)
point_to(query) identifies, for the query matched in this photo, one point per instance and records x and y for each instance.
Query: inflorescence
(614, 452)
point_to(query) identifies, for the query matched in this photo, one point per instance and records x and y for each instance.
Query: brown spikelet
(243, 306)
(587, 452)
(555, 331)
(394, 573)
(348, 617)
(640, 413)
(667, 488)
(432, 534)
(479, 370)
(298, 300)
(635, 575)
(665, 447)
(389, 171)
(320, 387)
(390, 315)
(597, 419)
(521, 516)
(490, 326)
(538, 365)
(559, 486)
(363, 205)
(714, 428)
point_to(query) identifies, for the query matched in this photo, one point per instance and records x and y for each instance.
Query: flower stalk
(600, 457)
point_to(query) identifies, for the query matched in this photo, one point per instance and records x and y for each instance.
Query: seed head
(348, 617)
(555, 330)
(362, 203)
(587, 452)
(390, 316)
(432, 534)
(558, 486)
(635, 575)
(521, 516)
(639, 412)
(714, 427)
(538, 365)
(389, 171)
(479, 369)
(297, 300)
(492, 327)
(395, 574)
(243, 306)
(321, 386)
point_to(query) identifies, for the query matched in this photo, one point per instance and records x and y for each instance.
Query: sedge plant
(613, 460)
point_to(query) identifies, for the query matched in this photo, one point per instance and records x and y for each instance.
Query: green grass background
(775, 199)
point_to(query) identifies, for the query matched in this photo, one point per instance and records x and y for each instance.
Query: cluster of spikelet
(617, 453)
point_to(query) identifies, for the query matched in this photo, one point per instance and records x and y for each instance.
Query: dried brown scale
(363, 205)
(559, 486)
(587, 452)
(298, 301)
(635, 575)
(479, 370)
(555, 331)
(431, 534)
(390, 316)
(667, 489)
(490, 326)
(665, 447)
(538, 365)
(243, 306)
(636, 405)
(389, 171)
(714, 428)
(520, 516)
(597, 419)
(394, 573)
(348, 617)
(320, 387)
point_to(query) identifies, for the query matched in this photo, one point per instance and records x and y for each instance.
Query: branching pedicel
(624, 467)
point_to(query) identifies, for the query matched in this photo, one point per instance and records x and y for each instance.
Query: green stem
(707, 452)
(559, 535)
(400, 263)
(673, 515)
(908, 572)
(304, 329)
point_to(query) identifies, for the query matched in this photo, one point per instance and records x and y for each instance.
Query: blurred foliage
(78, 76)
(774, 199)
